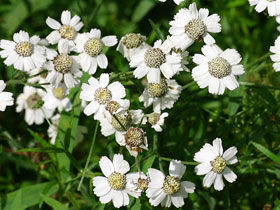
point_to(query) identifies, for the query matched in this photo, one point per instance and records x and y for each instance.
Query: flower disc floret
(134, 137)
(67, 32)
(125, 120)
(62, 63)
(24, 49)
(154, 58)
(33, 100)
(218, 164)
(158, 90)
(93, 47)
(171, 185)
(103, 95)
(132, 40)
(58, 93)
(142, 184)
(112, 106)
(117, 181)
(195, 29)
(219, 67)
(154, 118)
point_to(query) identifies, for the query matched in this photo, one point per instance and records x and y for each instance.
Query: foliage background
(246, 118)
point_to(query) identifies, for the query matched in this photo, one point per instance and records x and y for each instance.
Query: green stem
(258, 60)
(183, 162)
(89, 155)
(188, 85)
(137, 164)
(249, 84)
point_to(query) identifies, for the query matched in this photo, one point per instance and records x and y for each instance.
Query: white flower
(190, 25)
(99, 93)
(162, 95)
(114, 185)
(66, 31)
(156, 60)
(24, 53)
(137, 182)
(213, 162)
(278, 21)
(276, 54)
(63, 67)
(217, 69)
(28, 100)
(6, 98)
(273, 6)
(168, 189)
(53, 129)
(37, 76)
(90, 46)
(55, 98)
(157, 120)
(131, 44)
(176, 1)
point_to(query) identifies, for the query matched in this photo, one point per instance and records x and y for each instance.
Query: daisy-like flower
(24, 52)
(176, 1)
(53, 129)
(217, 69)
(66, 31)
(6, 98)
(276, 54)
(213, 162)
(99, 93)
(161, 96)
(138, 182)
(131, 44)
(156, 60)
(168, 189)
(157, 120)
(56, 98)
(63, 67)
(273, 6)
(190, 25)
(114, 185)
(90, 46)
(28, 101)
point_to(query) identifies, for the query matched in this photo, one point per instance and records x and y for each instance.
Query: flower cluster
(58, 62)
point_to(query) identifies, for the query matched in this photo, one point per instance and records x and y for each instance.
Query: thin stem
(183, 162)
(188, 85)
(258, 60)
(116, 118)
(137, 164)
(89, 155)
(249, 84)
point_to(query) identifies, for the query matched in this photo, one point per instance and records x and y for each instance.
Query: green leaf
(148, 163)
(46, 149)
(267, 152)
(235, 100)
(30, 196)
(155, 27)
(142, 9)
(54, 203)
(42, 141)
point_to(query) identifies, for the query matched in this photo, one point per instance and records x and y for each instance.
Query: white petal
(66, 17)
(120, 164)
(176, 168)
(219, 183)
(118, 199)
(104, 80)
(110, 40)
(209, 179)
(102, 61)
(52, 23)
(213, 85)
(217, 144)
(229, 175)
(106, 166)
(153, 75)
(230, 153)
(91, 108)
(203, 168)
(178, 201)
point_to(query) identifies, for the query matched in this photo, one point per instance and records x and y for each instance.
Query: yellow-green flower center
(218, 164)
(58, 93)
(24, 49)
(93, 47)
(132, 40)
(219, 67)
(134, 137)
(125, 120)
(117, 181)
(67, 32)
(158, 90)
(154, 58)
(33, 100)
(112, 106)
(102, 95)
(154, 118)
(142, 184)
(195, 29)
(62, 63)
(171, 185)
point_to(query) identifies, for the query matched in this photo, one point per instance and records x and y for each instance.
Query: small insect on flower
(131, 44)
(156, 60)
(162, 95)
(6, 98)
(213, 162)
(272, 6)
(24, 52)
(114, 186)
(66, 31)
(63, 67)
(90, 46)
(99, 93)
(169, 189)
(190, 25)
(217, 69)
(29, 101)
(276, 54)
